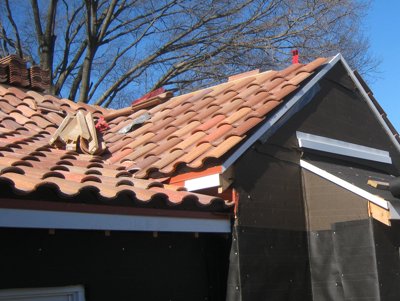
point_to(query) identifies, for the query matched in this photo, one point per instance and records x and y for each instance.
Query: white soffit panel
(339, 147)
(357, 190)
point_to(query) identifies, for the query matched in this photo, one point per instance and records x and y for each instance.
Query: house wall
(270, 251)
(122, 266)
(338, 111)
(361, 255)
(341, 242)
(387, 246)
(288, 246)
(328, 204)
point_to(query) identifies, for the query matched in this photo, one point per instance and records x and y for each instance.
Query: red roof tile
(184, 131)
(216, 113)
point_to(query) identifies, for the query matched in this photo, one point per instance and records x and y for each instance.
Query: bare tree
(110, 51)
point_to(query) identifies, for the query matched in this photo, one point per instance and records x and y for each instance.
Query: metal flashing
(330, 177)
(339, 147)
(303, 93)
(394, 209)
(203, 182)
(305, 99)
(44, 219)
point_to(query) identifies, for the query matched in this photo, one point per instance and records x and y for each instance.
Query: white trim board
(27, 218)
(342, 183)
(339, 147)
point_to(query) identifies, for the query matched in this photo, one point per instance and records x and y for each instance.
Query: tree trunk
(47, 39)
(86, 70)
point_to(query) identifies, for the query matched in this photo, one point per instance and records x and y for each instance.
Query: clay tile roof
(153, 139)
(205, 125)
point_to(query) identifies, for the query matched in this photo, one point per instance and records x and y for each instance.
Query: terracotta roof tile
(166, 146)
(141, 151)
(246, 126)
(185, 131)
(217, 152)
(195, 152)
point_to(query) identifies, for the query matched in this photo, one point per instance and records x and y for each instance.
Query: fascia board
(344, 184)
(339, 147)
(370, 103)
(274, 119)
(44, 219)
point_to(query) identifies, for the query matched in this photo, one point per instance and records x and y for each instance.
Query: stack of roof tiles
(13, 70)
(188, 132)
(40, 79)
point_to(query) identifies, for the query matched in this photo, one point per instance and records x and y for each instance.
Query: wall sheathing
(120, 266)
(341, 242)
(387, 246)
(271, 242)
(299, 237)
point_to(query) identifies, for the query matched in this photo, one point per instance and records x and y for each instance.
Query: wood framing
(379, 213)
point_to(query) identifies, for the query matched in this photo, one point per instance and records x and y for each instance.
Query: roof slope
(184, 131)
(189, 129)
(30, 168)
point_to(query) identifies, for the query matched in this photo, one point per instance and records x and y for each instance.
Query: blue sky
(382, 26)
